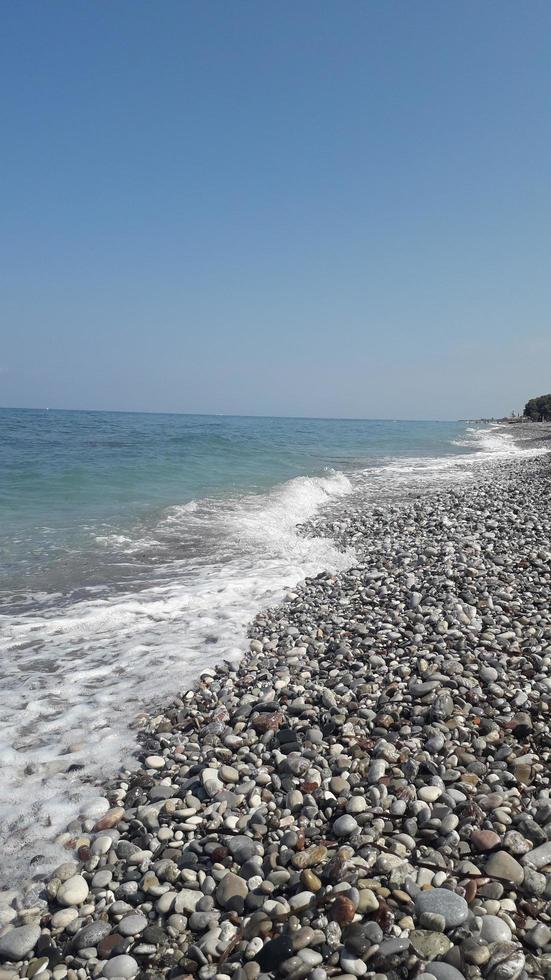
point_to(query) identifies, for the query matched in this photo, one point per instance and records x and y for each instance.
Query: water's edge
(64, 781)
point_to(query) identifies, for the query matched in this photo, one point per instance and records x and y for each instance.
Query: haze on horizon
(276, 209)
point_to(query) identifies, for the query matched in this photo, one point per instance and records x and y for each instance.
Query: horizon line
(234, 415)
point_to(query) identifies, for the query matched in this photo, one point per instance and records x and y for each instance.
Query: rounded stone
(485, 840)
(91, 935)
(18, 943)
(429, 794)
(102, 844)
(356, 804)
(74, 891)
(452, 907)
(62, 918)
(495, 930)
(102, 879)
(274, 953)
(444, 971)
(229, 774)
(353, 965)
(368, 901)
(345, 826)
(132, 924)
(120, 966)
(302, 938)
(342, 910)
(359, 936)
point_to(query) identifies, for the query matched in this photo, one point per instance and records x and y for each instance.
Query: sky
(315, 208)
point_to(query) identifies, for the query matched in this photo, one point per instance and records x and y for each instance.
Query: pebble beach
(367, 793)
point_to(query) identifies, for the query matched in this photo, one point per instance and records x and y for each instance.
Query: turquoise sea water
(135, 548)
(70, 479)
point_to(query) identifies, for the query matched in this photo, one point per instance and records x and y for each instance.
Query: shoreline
(308, 796)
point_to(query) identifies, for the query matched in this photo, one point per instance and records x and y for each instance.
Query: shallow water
(135, 549)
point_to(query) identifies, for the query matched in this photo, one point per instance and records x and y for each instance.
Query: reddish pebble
(267, 722)
(343, 910)
(470, 891)
(83, 853)
(115, 943)
(110, 819)
(485, 840)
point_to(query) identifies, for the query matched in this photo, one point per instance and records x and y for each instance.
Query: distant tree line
(539, 409)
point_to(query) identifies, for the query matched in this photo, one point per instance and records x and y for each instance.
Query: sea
(135, 549)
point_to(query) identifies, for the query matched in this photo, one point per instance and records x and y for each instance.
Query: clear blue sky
(312, 208)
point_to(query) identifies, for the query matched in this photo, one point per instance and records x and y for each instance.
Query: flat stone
(310, 857)
(475, 951)
(451, 906)
(356, 804)
(539, 856)
(502, 865)
(102, 879)
(428, 944)
(18, 943)
(37, 966)
(187, 900)
(231, 892)
(241, 848)
(102, 844)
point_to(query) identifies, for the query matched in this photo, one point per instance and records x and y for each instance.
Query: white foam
(74, 679)
(488, 445)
